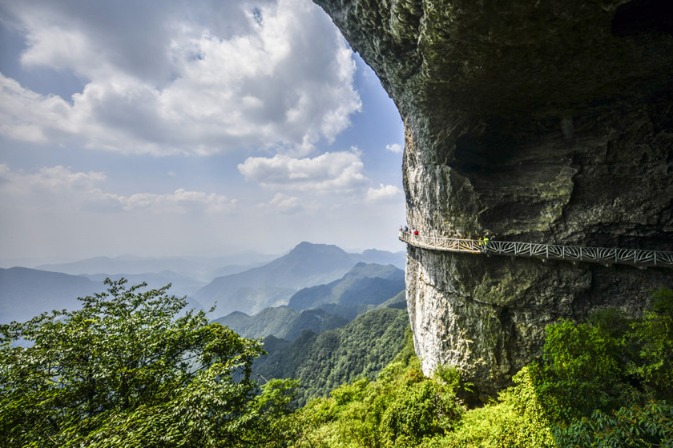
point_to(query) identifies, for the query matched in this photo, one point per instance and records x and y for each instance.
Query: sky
(192, 127)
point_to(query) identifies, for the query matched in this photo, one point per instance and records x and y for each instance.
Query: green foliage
(653, 337)
(131, 369)
(606, 382)
(602, 383)
(327, 360)
(580, 370)
(649, 425)
(517, 419)
(399, 409)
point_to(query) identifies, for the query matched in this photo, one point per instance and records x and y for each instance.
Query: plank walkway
(602, 255)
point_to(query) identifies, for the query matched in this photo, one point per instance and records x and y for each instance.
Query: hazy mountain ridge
(349, 328)
(273, 284)
(281, 322)
(181, 285)
(202, 269)
(322, 307)
(35, 290)
(365, 284)
(26, 293)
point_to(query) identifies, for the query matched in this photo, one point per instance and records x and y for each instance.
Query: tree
(132, 368)
(653, 336)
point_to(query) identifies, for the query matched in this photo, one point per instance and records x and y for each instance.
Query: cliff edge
(544, 121)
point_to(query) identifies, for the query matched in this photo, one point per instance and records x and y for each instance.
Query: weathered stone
(545, 121)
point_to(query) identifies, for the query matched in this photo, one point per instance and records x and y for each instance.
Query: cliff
(545, 121)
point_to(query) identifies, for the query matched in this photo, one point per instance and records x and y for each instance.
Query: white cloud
(395, 148)
(383, 193)
(179, 201)
(328, 172)
(59, 187)
(54, 179)
(164, 79)
(28, 116)
(286, 204)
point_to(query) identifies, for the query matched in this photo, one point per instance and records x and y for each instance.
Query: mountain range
(26, 292)
(202, 269)
(342, 316)
(281, 322)
(274, 283)
(324, 307)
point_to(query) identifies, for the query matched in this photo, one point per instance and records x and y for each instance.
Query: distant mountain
(200, 268)
(281, 322)
(364, 285)
(325, 307)
(324, 361)
(181, 285)
(273, 283)
(397, 259)
(25, 293)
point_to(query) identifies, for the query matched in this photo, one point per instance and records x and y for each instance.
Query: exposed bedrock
(545, 121)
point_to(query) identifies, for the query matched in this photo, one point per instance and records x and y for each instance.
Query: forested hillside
(602, 383)
(281, 322)
(329, 359)
(120, 372)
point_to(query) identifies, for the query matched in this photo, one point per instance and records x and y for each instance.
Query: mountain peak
(313, 248)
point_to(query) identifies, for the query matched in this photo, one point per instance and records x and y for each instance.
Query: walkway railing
(602, 255)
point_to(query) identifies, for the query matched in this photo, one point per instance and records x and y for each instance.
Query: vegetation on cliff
(324, 361)
(606, 382)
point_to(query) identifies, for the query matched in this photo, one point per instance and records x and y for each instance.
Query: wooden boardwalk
(601, 255)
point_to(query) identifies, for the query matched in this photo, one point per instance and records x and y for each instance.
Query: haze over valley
(245, 282)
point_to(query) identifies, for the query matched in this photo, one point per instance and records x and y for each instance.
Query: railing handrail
(602, 255)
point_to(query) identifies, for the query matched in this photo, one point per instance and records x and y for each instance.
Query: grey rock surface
(549, 122)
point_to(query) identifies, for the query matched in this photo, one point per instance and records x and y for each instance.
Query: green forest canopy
(133, 369)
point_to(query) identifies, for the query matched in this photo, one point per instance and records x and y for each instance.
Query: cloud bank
(58, 187)
(226, 75)
(328, 172)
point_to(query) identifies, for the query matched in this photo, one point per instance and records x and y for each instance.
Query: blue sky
(191, 127)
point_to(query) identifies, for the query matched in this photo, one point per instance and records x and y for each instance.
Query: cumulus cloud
(286, 204)
(394, 147)
(328, 172)
(50, 179)
(383, 193)
(60, 186)
(183, 77)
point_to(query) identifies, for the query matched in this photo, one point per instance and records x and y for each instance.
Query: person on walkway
(486, 240)
(482, 243)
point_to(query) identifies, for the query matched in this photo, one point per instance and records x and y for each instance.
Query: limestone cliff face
(546, 121)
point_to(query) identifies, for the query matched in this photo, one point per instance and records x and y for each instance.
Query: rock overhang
(540, 57)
